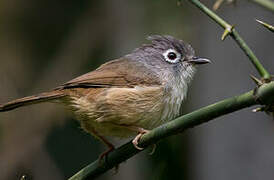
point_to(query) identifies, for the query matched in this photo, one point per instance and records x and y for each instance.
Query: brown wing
(116, 73)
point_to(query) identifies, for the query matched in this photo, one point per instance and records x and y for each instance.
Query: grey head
(173, 62)
(168, 57)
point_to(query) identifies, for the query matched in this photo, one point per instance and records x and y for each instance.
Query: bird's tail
(42, 97)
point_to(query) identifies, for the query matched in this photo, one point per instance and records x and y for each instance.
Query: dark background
(45, 43)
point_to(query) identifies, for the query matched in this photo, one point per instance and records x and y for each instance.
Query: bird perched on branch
(130, 95)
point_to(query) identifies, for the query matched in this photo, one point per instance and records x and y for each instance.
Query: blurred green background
(46, 43)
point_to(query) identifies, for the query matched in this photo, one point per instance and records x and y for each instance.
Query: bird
(128, 96)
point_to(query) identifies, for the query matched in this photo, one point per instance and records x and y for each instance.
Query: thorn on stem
(260, 109)
(268, 109)
(227, 31)
(256, 80)
(268, 26)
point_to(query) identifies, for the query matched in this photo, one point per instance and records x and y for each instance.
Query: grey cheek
(176, 69)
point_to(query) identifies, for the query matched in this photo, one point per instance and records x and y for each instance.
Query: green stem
(235, 35)
(255, 61)
(265, 94)
(268, 4)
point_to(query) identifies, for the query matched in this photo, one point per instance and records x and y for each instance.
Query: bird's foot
(135, 141)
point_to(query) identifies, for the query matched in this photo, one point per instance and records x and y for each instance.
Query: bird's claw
(135, 141)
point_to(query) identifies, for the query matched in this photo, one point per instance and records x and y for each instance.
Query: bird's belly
(116, 111)
(107, 129)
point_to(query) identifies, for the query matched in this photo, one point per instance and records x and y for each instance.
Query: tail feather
(42, 97)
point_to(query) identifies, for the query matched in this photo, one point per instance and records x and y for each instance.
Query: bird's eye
(172, 56)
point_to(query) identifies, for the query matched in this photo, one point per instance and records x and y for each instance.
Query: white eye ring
(172, 56)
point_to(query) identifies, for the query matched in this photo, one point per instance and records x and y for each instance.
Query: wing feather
(117, 73)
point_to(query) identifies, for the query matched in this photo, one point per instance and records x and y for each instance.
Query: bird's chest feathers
(173, 99)
(176, 88)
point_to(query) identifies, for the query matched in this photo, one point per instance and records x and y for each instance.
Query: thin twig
(230, 30)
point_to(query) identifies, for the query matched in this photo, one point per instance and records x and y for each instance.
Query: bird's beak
(198, 60)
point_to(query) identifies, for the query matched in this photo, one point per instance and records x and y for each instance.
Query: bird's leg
(105, 153)
(106, 142)
(109, 145)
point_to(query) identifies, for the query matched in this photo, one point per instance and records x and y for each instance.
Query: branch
(230, 30)
(265, 95)
(268, 4)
